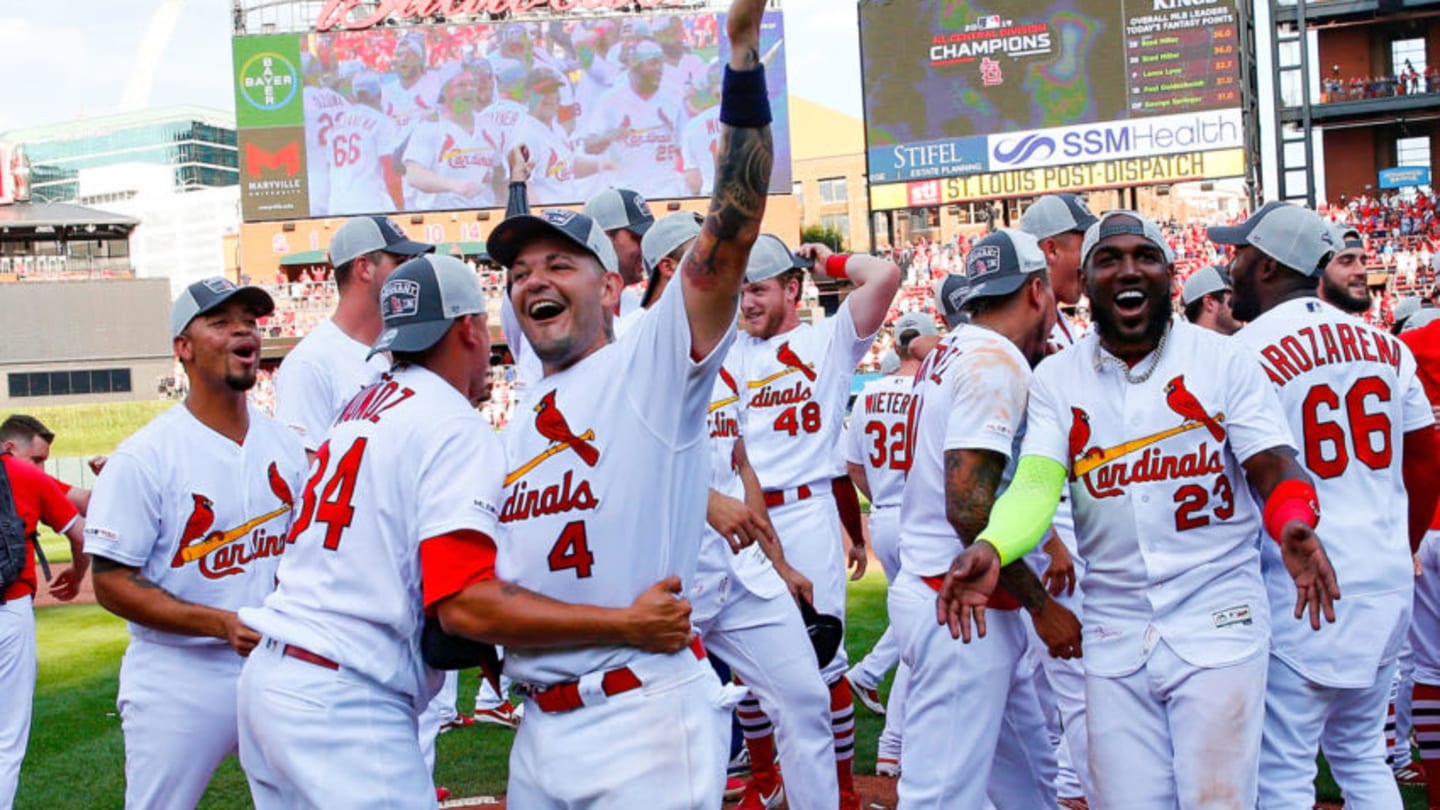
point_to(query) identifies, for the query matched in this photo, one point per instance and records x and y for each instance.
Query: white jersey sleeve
(125, 512)
(304, 401)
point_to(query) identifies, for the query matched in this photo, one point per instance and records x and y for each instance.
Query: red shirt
(37, 499)
(1424, 343)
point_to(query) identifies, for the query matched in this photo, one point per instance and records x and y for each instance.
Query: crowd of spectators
(1407, 81)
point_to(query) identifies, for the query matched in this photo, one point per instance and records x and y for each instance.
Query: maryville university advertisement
(355, 119)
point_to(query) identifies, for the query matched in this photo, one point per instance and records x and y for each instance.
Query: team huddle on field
(1115, 560)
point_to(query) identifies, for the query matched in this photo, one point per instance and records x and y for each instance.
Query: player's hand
(1315, 585)
(520, 164)
(660, 619)
(800, 586)
(97, 463)
(742, 28)
(816, 253)
(1060, 576)
(967, 587)
(240, 638)
(740, 525)
(856, 560)
(1059, 629)
(66, 585)
(1415, 559)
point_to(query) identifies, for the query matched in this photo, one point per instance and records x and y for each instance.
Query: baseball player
(1344, 283)
(396, 525)
(965, 415)
(26, 438)
(331, 363)
(637, 124)
(413, 95)
(1161, 453)
(36, 499)
(453, 162)
(700, 138)
(1206, 299)
(1424, 636)
(797, 385)
(548, 144)
(631, 728)
(625, 216)
(875, 460)
(362, 143)
(187, 525)
(322, 104)
(1350, 395)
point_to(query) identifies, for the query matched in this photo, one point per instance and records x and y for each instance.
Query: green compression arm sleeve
(1021, 517)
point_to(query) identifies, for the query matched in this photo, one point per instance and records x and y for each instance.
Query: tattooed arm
(122, 590)
(712, 271)
(971, 480)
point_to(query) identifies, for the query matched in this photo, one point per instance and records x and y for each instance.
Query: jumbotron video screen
(954, 78)
(421, 118)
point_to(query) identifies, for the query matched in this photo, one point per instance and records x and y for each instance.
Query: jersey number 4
(330, 503)
(1326, 452)
(572, 550)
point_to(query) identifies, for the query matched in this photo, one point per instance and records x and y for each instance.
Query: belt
(564, 697)
(308, 657)
(780, 497)
(999, 600)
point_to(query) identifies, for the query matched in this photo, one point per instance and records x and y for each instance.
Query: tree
(826, 236)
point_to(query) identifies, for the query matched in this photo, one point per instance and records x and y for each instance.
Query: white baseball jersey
(552, 181)
(317, 378)
(454, 153)
(499, 120)
(699, 145)
(409, 106)
(1350, 394)
(1163, 513)
(408, 460)
(361, 138)
(200, 516)
(649, 154)
(876, 438)
(969, 395)
(797, 387)
(679, 80)
(321, 106)
(595, 82)
(576, 476)
(528, 368)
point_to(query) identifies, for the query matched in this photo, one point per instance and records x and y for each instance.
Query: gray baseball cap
(616, 208)
(1112, 224)
(1208, 279)
(420, 300)
(1405, 309)
(668, 233)
(916, 324)
(1346, 236)
(1054, 214)
(889, 362)
(363, 235)
(770, 257)
(1000, 263)
(510, 236)
(208, 294)
(1424, 317)
(950, 294)
(1291, 235)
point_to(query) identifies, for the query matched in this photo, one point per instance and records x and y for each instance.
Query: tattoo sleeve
(742, 179)
(971, 479)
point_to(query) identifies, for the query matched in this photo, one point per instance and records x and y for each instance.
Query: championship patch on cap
(218, 285)
(984, 260)
(400, 298)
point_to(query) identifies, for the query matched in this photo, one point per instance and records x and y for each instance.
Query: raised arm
(713, 270)
(876, 281)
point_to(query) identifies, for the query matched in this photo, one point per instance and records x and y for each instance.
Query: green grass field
(76, 754)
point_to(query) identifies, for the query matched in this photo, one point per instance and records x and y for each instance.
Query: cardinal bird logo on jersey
(279, 487)
(552, 425)
(1079, 434)
(1184, 403)
(729, 381)
(787, 356)
(202, 517)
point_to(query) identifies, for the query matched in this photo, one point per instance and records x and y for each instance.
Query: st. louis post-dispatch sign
(1050, 179)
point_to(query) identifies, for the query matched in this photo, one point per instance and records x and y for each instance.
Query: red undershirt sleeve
(450, 563)
(1422, 449)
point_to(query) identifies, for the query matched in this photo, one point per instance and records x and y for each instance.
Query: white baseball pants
(809, 531)
(17, 691)
(1174, 735)
(314, 738)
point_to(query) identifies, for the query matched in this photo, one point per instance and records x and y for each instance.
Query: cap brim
(640, 228)
(255, 298)
(1228, 234)
(410, 337)
(998, 287)
(409, 248)
(512, 235)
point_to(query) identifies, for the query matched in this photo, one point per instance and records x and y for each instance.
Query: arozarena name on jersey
(1296, 354)
(232, 559)
(1110, 480)
(566, 496)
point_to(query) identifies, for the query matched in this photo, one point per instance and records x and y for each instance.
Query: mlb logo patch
(400, 298)
(218, 285)
(984, 260)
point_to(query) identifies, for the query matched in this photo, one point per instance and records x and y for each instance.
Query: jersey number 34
(330, 503)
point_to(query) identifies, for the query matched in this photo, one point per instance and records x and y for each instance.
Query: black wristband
(519, 200)
(744, 101)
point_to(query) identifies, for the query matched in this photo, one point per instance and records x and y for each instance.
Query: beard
(1341, 298)
(240, 381)
(1162, 309)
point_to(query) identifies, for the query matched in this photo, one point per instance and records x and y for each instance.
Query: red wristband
(1292, 499)
(835, 266)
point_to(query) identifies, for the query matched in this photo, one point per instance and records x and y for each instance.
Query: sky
(90, 56)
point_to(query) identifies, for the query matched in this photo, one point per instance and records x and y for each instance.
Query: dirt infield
(876, 793)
